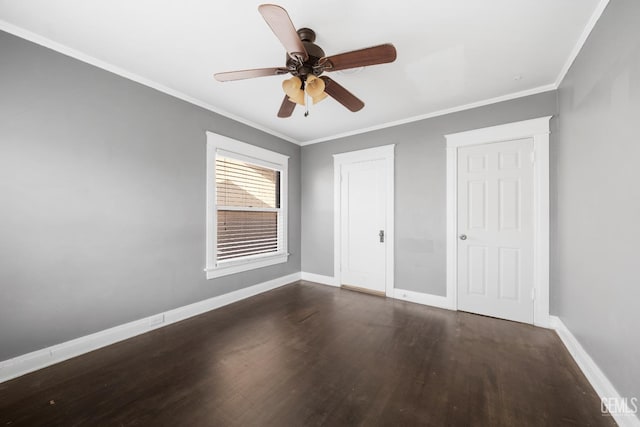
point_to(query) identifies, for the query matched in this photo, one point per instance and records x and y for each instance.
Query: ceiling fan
(306, 62)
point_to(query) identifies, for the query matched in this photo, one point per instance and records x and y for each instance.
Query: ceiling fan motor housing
(315, 52)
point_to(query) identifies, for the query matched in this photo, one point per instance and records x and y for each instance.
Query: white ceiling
(451, 53)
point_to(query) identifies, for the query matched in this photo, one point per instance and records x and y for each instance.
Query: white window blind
(247, 189)
(247, 209)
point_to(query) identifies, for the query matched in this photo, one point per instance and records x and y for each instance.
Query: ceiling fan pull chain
(306, 104)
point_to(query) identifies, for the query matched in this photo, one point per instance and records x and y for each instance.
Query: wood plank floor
(307, 354)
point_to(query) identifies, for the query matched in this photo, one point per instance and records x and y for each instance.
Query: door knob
(463, 237)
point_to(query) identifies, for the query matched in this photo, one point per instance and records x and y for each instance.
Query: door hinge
(533, 157)
(533, 294)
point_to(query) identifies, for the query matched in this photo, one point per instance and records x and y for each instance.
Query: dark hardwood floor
(308, 354)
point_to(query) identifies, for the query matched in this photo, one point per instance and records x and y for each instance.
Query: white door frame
(538, 129)
(386, 153)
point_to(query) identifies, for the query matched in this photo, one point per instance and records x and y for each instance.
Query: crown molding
(508, 97)
(81, 56)
(597, 13)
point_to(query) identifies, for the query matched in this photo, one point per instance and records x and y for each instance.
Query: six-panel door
(495, 229)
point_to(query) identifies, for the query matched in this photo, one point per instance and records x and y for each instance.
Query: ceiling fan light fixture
(293, 88)
(315, 88)
(319, 98)
(292, 85)
(298, 98)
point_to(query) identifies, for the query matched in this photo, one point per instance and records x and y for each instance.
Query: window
(246, 206)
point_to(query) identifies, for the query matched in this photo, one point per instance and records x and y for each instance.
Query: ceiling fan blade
(280, 23)
(249, 74)
(342, 95)
(287, 107)
(360, 58)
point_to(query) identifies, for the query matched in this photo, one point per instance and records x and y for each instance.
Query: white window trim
(218, 144)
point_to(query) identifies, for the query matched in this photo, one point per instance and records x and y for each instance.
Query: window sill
(244, 265)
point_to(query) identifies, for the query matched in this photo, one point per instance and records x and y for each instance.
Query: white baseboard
(318, 278)
(595, 376)
(420, 298)
(39, 359)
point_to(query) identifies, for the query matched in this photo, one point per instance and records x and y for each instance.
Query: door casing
(386, 153)
(538, 130)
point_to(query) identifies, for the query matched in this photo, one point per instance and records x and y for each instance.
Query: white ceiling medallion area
(451, 54)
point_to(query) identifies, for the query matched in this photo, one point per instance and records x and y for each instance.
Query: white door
(495, 229)
(363, 206)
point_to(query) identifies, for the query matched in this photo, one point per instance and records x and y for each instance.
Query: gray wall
(595, 282)
(102, 199)
(420, 189)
